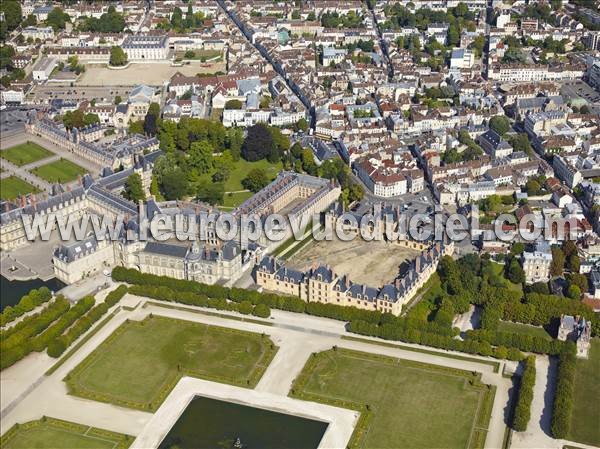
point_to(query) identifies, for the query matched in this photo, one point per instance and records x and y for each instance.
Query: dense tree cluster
(134, 190)
(58, 19)
(181, 24)
(109, 22)
(472, 279)
(472, 152)
(335, 20)
(117, 56)
(522, 412)
(12, 17)
(562, 407)
(26, 304)
(78, 119)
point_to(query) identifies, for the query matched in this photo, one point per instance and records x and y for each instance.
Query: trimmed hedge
(562, 407)
(416, 336)
(16, 342)
(523, 342)
(200, 300)
(26, 304)
(59, 344)
(40, 342)
(525, 396)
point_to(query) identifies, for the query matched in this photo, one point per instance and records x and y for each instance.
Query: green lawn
(231, 200)
(518, 328)
(12, 187)
(140, 363)
(60, 171)
(50, 433)
(26, 153)
(586, 401)
(241, 169)
(403, 404)
(499, 271)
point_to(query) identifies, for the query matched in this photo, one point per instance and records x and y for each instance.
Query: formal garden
(402, 403)
(141, 362)
(12, 187)
(51, 433)
(61, 171)
(25, 153)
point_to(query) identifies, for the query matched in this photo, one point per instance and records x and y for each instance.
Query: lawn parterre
(60, 171)
(586, 399)
(50, 433)
(140, 363)
(403, 404)
(12, 187)
(25, 153)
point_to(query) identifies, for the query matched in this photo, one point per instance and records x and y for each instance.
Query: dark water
(12, 291)
(213, 424)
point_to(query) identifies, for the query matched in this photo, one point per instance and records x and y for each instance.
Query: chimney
(418, 264)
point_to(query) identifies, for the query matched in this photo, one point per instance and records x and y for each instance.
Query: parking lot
(12, 121)
(580, 89)
(45, 93)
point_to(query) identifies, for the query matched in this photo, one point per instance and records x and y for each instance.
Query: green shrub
(525, 396)
(262, 311)
(562, 407)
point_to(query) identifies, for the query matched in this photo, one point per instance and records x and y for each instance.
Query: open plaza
(373, 263)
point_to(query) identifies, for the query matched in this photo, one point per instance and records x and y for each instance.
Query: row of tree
(244, 307)
(522, 412)
(60, 343)
(562, 407)
(36, 331)
(26, 304)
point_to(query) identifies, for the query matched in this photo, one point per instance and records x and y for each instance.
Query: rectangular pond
(213, 424)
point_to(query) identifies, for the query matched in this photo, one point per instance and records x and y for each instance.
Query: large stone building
(577, 329)
(146, 47)
(322, 284)
(536, 264)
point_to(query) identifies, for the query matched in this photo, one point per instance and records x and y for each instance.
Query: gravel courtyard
(373, 263)
(154, 74)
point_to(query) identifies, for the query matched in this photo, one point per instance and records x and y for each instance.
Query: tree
(90, 119)
(255, 180)
(200, 156)
(74, 119)
(57, 19)
(233, 104)
(12, 16)
(520, 142)
(30, 21)
(151, 119)
(190, 54)
(118, 99)
(261, 310)
(174, 184)
(56, 347)
(515, 272)
(117, 56)
(109, 22)
(258, 144)
(210, 192)
(134, 189)
(500, 124)
(558, 262)
(453, 34)
(302, 125)
(574, 292)
(136, 127)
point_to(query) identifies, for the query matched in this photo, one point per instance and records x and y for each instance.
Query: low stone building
(577, 329)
